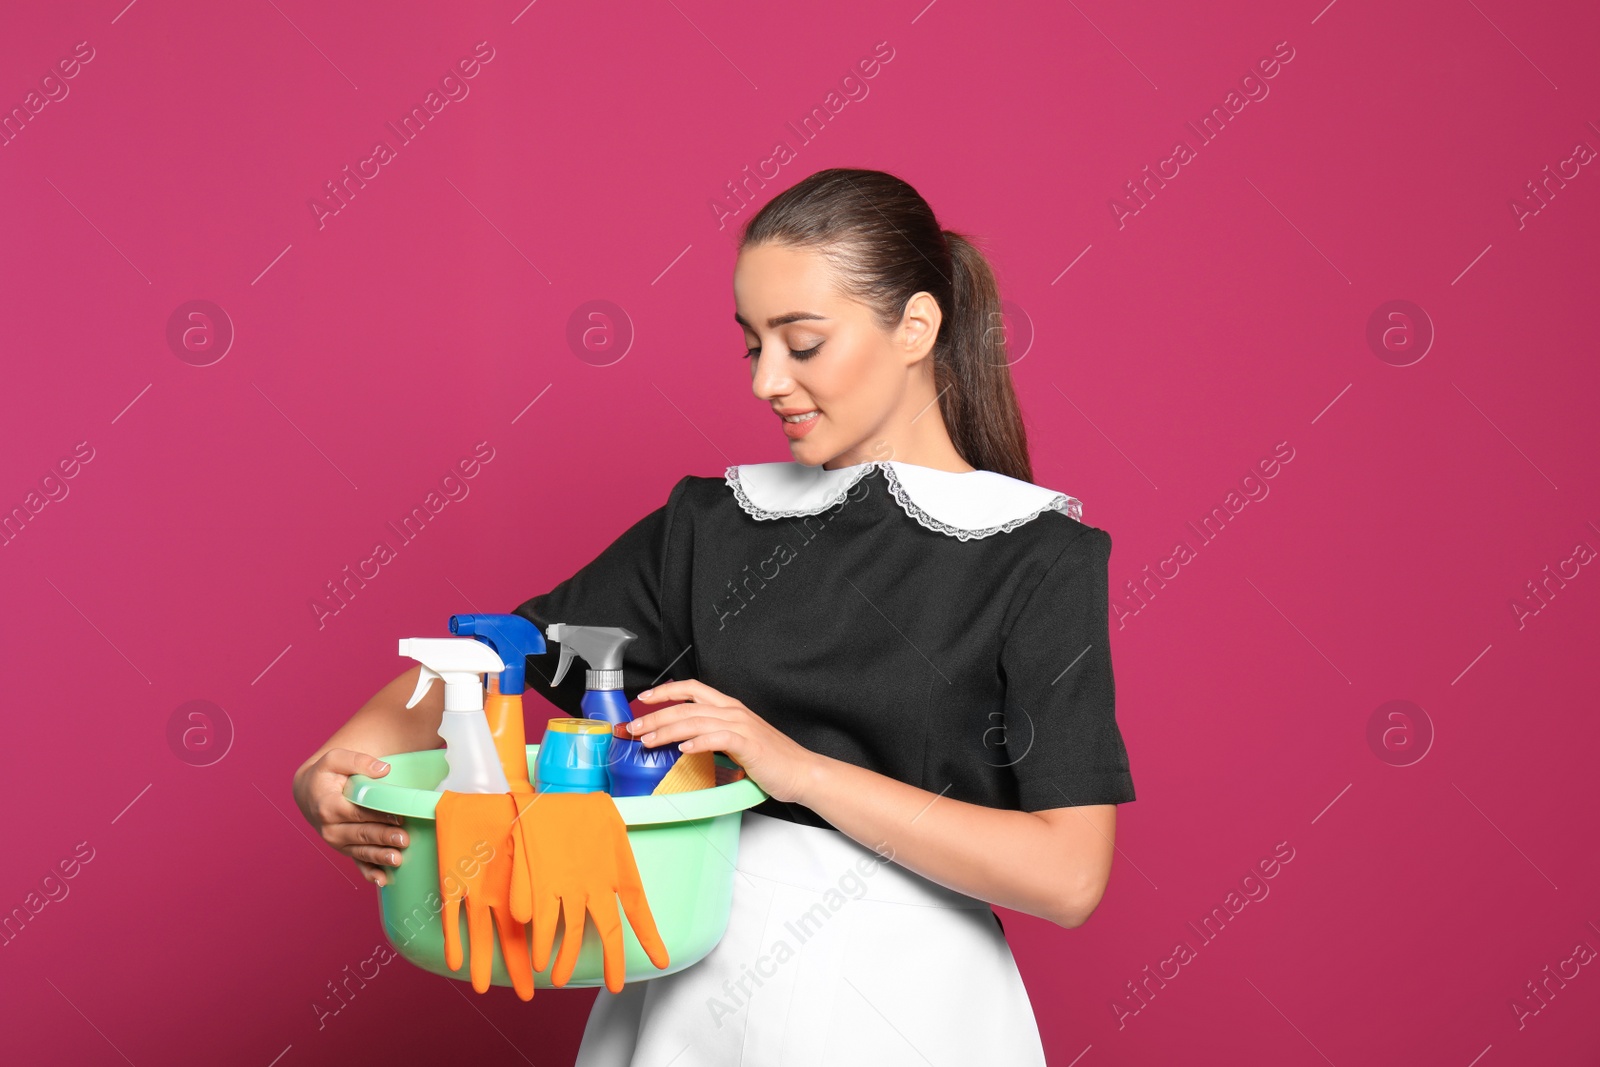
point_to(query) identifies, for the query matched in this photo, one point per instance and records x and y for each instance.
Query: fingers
(608, 924)
(375, 859)
(682, 730)
(342, 834)
(521, 856)
(643, 922)
(654, 721)
(344, 761)
(451, 917)
(451, 889)
(373, 855)
(689, 689)
(373, 873)
(521, 900)
(367, 843)
(640, 917)
(572, 913)
(331, 809)
(514, 951)
(546, 910)
(480, 943)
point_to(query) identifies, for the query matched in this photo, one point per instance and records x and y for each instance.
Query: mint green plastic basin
(685, 845)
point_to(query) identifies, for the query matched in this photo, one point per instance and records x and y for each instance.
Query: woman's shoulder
(700, 491)
(984, 504)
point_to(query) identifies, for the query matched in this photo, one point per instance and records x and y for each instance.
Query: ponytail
(980, 408)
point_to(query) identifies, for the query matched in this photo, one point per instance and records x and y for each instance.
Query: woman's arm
(384, 725)
(1053, 863)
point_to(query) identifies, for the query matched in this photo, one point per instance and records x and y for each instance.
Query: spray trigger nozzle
(567, 652)
(458, 662)
(599, 646)
(425, 679)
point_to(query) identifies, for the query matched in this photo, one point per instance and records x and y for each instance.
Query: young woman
(897, 635)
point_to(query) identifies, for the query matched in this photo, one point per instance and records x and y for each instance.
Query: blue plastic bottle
(574, 755)
(635, 769)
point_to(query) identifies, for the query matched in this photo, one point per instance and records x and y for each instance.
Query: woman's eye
(807, 354)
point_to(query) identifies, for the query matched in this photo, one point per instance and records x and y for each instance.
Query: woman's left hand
(713, 721)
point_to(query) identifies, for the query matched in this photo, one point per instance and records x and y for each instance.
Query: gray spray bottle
(635, 769)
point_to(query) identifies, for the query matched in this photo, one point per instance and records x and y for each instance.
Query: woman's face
(819, 355)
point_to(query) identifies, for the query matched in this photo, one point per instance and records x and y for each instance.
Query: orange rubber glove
(476, 861)
(575, 847)
(521, 892)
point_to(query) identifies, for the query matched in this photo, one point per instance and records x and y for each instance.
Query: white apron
(833, 955)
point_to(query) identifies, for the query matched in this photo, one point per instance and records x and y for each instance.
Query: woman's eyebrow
(782, 320)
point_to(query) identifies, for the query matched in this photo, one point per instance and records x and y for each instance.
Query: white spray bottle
(469, 747)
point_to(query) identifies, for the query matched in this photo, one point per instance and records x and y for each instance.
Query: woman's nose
(770, 381)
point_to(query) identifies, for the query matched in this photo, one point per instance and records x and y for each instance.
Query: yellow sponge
(694, 770)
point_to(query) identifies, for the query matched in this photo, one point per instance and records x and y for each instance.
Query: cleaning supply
(581, 861)
(476, 863)
(573, 756)
(694, 770)
(635, 768)
(682, 846)
(474, 765)
(514, 639)
(600, 647)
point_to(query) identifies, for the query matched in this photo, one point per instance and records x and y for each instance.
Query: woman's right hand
(372, 838)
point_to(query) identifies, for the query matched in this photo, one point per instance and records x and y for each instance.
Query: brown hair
(886, 245)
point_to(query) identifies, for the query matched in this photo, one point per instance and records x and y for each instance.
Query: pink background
(1228, 314)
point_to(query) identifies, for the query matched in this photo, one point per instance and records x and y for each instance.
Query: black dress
(976, 667)
(949, 630)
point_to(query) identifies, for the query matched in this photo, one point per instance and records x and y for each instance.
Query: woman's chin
(802, 447)
(805, 451)
(810, 453)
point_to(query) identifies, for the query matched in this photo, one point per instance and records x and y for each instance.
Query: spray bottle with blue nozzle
(514, 638)
(634, 769)
(474, 766)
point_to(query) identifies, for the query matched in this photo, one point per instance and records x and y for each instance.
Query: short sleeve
(1060, 698)
(622, 586)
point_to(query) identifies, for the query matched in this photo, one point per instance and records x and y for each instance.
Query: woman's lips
(796, 430)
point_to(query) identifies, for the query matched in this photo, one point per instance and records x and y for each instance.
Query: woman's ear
(919, 327)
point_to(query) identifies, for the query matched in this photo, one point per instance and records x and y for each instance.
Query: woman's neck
(917, 453)
(912, 431)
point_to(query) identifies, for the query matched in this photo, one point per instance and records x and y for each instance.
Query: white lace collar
(963, 505)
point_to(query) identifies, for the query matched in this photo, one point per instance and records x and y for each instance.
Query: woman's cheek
(833, 392)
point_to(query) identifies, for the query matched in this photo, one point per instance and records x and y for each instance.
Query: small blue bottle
(573, 757)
